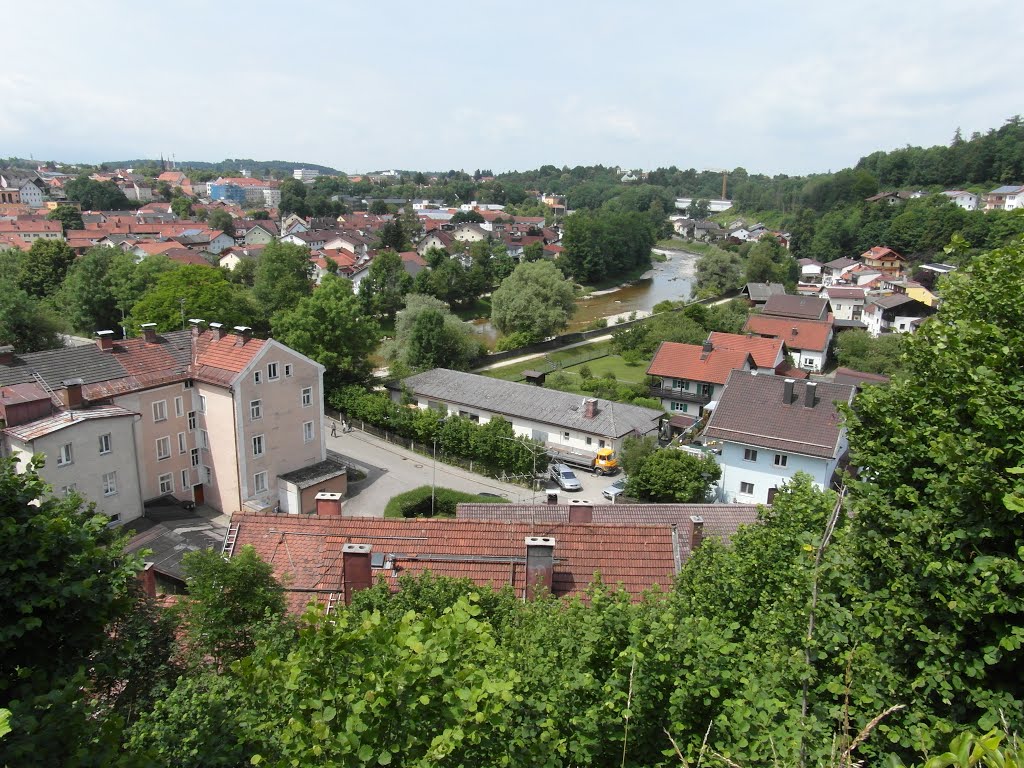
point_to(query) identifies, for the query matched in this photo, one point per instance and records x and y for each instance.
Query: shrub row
(416, 503)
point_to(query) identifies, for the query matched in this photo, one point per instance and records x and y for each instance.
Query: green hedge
(416, 503)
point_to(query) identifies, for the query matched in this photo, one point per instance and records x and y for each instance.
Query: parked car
(615, 489)
(565, 478)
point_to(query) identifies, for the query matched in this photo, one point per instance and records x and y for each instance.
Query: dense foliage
(536, 299)
(429, 501)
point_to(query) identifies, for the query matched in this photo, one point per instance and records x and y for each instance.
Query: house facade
(896, 313)
(847, 303)
(807, 340)
(1005, 198)
(688, 377)
(962, 199)
(217, 418)
(770, 428)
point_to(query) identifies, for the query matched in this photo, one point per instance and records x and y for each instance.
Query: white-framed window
(307, 432)
(749, 454)
(110, 483)
(680, 407)
(681, 384)
(195, 457)
(163, 448)
(67, 490)
(287, 370)
(272, 371)
(105, 445)
(191, 420)
(307, 397)
(259, 482)
(208, 475)
(747, 489)
(257, 377)
(204, 439)
(114, 518)
(202, 403)
(166, 483)
(64, 456)
(781, 460)
(187, 384)
(179, 406)
(184, 480)
(182, 446)
(160, 410)
(255, 410)
(258, 445)
(808, 362)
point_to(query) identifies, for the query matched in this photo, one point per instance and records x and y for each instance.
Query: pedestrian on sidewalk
(334, 428)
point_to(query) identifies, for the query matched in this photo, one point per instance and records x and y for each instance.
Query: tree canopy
(385, 285)
(535, 299)
(331, 327)
(97, 195)
(283, 276)
(605, 243)
(441, 340)
(670, 476)
(192, 291)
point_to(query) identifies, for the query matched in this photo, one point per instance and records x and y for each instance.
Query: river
(670, 279)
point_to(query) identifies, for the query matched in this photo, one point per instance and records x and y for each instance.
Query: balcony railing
(682, 395)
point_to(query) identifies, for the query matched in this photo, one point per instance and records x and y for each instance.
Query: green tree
(192, 291)
(718, 272)
(64, 578)
(671, 476)
(130, 281)
(331, 327)
(533, 252)
(26, 323)
(856, 349)
(68, 216)
(283, 277)
(44, 266)
(87, 295)
(379, 208)
(441, 341)
(293, 198)
(97, 195)
(534, 299)
(228, 599)
(222, 220)
(472, 217)
(635, 451)
(937, 533)
(181, 207)
(698, 209)
(385, 285)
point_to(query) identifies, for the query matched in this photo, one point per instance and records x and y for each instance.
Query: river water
(671, 279)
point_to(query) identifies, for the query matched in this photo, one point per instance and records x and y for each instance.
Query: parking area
(391, 470)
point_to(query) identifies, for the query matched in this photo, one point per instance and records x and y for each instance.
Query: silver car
(615, 489)
(565, 478)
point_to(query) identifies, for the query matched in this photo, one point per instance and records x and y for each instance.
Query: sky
(781, 87)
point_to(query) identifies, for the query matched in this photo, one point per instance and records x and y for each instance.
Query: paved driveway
(391, 470)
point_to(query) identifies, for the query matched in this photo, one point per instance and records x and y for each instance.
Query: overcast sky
(781, 87)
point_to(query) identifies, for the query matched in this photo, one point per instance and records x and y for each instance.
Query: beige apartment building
(202, 416)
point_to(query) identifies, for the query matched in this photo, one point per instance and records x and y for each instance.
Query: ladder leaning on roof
(46, 388)
(228, 548)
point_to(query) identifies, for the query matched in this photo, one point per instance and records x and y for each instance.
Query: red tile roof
(798, 334)
(228, 353)
(689, 361)
(764, 351)
(305, 551)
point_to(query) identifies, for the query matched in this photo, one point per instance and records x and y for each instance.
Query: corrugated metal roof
(33, 430)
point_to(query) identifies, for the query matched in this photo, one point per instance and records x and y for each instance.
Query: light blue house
(770, 428)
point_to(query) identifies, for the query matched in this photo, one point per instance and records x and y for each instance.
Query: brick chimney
(105, 340)
(242, 333)
(589, 408)
(787, 391)
(705, 351)
(149, 332)
(540, 565)
(696, 532)
(581, 511)
(147, 578)
(328, 504)
(6, 354)
(356, 573)
(197, 326)
(72, 393)
(809, 392)
(218, 331)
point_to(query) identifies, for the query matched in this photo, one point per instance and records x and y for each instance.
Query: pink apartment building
(203, 416)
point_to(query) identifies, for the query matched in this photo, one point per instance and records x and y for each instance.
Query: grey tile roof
(720, 520)
(751, 411)
(307, 477)
(762, 291)
(89, 364)
(170, 540)
(525, 401)
(799, 307)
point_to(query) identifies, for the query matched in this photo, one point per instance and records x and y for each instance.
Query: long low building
(559, 419)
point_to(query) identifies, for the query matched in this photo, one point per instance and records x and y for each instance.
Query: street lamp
(522, 440)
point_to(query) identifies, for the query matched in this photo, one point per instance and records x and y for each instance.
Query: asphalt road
(391, 469)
